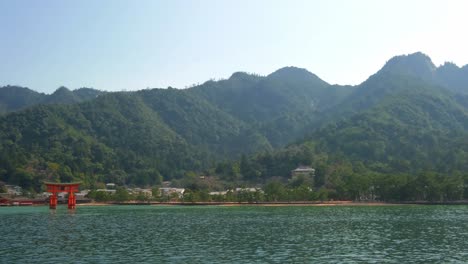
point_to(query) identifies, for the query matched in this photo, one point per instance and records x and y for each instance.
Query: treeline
(357, 187)
(338, 177)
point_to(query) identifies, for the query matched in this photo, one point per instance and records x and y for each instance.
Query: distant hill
(14, 98)
(421, 66)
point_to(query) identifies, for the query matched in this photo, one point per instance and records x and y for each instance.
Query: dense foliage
(14, 98)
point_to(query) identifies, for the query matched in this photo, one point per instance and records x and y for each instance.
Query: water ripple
(151, 234)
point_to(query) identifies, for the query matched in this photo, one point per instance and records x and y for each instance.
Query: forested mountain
(410, 118)
(421, 66)
(282, 105)
(390, 124)
(107, 139)
(399, 136)
(13, 98)
(131, 137)
(202, 124)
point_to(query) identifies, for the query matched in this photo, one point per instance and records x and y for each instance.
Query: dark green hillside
(281, 106)
(228, 95)
(420, 66)
(406, 133)
(37, 144)
(261, 99)
(128, 138)
(380, 86)
(417, 64)
(115, 138)
(85, 94)
(396, 123)
(412, 146)
(203, 125)
(455, 78)
(13, 98)
(396, 137)
(62, 96)
(414, 128)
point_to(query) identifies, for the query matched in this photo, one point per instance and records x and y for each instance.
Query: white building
(303, 170)
(167, 191)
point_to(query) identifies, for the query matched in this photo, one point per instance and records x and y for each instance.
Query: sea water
(234, 234)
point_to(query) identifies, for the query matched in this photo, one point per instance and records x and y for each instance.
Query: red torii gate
(70, 188)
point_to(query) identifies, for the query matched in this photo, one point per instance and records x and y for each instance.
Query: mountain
(62, 96)
(404, 119)
(395, 117)
(260, 99)
(116, 137)
(423, 129)
(451, 76)
(202, 124)
(85, 94)
(421, 66)
(282, 105)
(14, 98)
(416, 64)
(148, 135)
(399, 136)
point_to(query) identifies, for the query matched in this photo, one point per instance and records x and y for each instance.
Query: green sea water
(244, 234)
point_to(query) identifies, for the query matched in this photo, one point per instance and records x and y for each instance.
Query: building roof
(304, 169)
(247, 189)
(170, 189)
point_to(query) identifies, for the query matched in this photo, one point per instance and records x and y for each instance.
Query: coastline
(227, 204)
(275, 204)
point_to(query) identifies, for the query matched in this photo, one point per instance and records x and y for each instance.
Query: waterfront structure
(55, 188)
(251, 190)
(179, 192)
(13, 190)
(106, 190)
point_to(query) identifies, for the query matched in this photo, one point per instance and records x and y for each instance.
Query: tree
(275, 191)
(121, 195)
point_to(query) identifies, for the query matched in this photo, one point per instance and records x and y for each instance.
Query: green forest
(402, 135)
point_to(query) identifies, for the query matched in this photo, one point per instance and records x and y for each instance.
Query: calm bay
(235, 234)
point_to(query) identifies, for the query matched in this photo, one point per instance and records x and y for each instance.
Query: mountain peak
(449, 65)
(295, 74)
(239, 74)
(62, 95)
(62, 89)
(290, 71)
(416, 64)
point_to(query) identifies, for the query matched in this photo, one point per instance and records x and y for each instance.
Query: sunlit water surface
(244, 234)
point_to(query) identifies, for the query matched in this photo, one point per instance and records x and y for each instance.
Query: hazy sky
(116, 45)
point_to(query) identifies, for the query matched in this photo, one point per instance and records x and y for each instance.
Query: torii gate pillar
(70, 188)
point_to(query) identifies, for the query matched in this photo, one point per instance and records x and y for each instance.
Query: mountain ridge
(14, 98)
(290, 116)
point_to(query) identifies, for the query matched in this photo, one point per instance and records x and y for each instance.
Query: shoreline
(265, 204)
(275, 204)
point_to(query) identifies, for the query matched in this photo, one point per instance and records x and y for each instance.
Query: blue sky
(132, 45)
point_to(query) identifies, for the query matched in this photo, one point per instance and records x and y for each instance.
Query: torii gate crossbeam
(70, 188)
